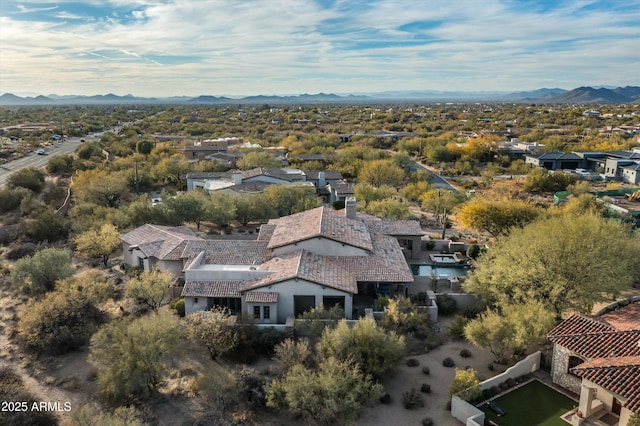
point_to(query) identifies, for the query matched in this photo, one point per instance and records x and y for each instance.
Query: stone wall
(559, 367)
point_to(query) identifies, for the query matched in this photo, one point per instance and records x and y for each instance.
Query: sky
(167, 48)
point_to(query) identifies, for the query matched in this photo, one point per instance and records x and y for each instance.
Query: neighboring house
(598, 358)
(200, 152)
(620, 165)
(631, 173)
(258, 179)
(317, 257)
(155, 246)
(555, 160)
(340, 191)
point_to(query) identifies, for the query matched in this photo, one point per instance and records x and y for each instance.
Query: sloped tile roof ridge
(579, 324)
(610, 362)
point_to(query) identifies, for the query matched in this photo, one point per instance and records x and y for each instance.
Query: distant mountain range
(628, 94)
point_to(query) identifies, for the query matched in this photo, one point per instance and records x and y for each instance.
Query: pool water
(439, 271)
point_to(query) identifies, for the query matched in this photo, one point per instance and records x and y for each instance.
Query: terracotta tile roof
(273, 173)
(228, 252)
(266, 231)
(211, 289)
(578, 325)
(323, 270)
(386, 263)
(600, 345)
(256, 186)
(625, 318)
(392, 227)
(328, 174)
(618, 375)
(321, 221)
(261, 297)
(162, 242)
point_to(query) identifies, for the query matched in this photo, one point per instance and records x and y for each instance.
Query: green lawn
(534, 404)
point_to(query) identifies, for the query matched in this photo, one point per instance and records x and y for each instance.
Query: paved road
(35, 160)
(436, 180)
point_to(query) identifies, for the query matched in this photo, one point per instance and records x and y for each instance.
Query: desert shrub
(29, 177)
(419, 298)
(62, 321)
(511, 382)
(251, 387)
(465, 353)
(427, 421)
(317, 319)
(490, 367)
(404, 316)
(412, 399)
(178, 306)
(385, 399)
(446, 304)
(456, 328)
(10, 198)
(471, 311)
(448, 362)
(425, 370)
(425, 388)
(430, 244)
(473, 251)
(38, 273)
(26, 249)
(412, 362)
(267, 339)
(289, 353)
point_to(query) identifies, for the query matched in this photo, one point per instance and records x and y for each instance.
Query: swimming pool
(439, 271)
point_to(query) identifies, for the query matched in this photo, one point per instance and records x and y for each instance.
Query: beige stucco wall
(287, 289)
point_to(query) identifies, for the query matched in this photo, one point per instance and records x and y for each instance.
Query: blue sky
(246, 47)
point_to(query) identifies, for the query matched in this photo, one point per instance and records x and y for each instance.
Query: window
(574, 361)
(195, 300)
(141, 262)
(266, 312)
(256, 312)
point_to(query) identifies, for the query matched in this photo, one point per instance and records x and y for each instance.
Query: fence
(470, 415)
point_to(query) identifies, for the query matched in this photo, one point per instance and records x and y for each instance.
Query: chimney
(322, 182)
(237, 178)
(350, 207)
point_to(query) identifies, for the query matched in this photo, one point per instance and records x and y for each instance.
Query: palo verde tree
(98, 244)
(212, 328)
(566, 262)
(496, 217)
(149, 287)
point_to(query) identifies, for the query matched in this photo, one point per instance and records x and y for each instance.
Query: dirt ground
(439, 378)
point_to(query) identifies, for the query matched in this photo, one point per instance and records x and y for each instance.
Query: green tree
(144, 147)
(496, 217)
(98, 244)
(541, 180)
(441, 203)
(333, 393)
(10, 198)
(150, 287)
(254, 159)
(552, 261)
(38, 273)
(187, 207)
(212, 328)
(29, 177)
(465, 384)
(133, 356)
(99, 187)
(376, 351)
(381, 172)
(290, 199)
(220, 208)
(60, 164)
(252, 208)
(171, 169)
(366, 193)
(391, 209)
(512, 329)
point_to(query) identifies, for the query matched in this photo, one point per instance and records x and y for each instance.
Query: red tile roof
(228, 252)
(324, 222)
(611, 345)
(323, 270)
(262, 297)
(211, 289)
(618, 375)
(161, 242)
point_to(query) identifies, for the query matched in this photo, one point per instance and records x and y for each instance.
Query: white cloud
(286, 46)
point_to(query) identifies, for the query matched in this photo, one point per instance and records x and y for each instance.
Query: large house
(317, 257)
(598, 358)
